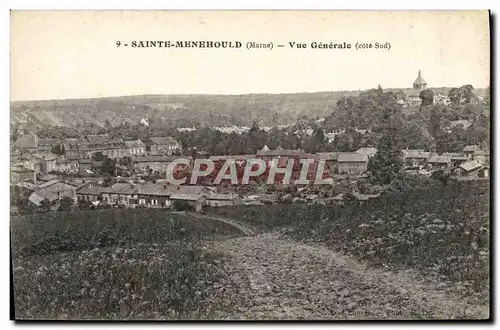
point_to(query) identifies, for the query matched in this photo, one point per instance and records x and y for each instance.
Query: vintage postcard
(250, 165)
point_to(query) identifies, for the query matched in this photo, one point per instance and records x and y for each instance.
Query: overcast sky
(61, 55)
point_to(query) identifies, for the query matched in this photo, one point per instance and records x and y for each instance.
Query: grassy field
(438, 229)
(116, 264)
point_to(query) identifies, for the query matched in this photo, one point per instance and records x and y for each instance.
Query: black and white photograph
(246, 165)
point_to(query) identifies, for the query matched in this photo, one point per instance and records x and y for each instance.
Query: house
(215, 200)
(135, 147)
(48, 177)
(21, 174)
(370, 152)
(58, 188)
(67, 165)
(162, 145)
(196, 201)
(90, 191)
(47, 144)
(330, 159)
(85, 165)
(482, 156)
(352, 163)
(87, 146)
(469, 169)
(52, 191)
(280, 156)
(26, 186)
(441, 99)
(469, 150)
(121, 193)
(239, 159)
(155, 164)
(267, 154)
(456, 158)
(36, 199)
(414, 100)
(414, 158)
(155, 195)
(28, 142)
(48, 162)
(439, 161)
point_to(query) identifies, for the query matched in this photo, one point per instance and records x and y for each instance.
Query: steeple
(419, 83)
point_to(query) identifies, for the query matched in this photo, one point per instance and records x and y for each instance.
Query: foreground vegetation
(116, 264)
(442, 230)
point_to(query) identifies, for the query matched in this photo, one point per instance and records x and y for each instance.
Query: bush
(65, 204)
(182, 206)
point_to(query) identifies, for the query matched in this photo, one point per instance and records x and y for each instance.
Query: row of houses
(125, 194)
(86, 146)
(348, 163)
(158, 195)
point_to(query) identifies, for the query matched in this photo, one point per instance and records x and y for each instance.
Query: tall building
(419, 83)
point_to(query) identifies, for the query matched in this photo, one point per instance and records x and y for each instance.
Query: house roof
(134, 144)
(221, 196)
(471, 148)
(455, 155)
(122, 188)
(419, 79)
(48, 142)
(90, 188)
(352, 157)
(187, 197)
(156, 189)
(27, 141)
(160, 159)
(27, 185)
(38, 196)
(412, 153)
(20, 169)
(282, 152)
(49, 177)
(163, 140)
(48, 184)
(327, 155)
(264, 149)
(46, 156)
(235, 157)
(469, 166)
(367, 151)
(439, 159)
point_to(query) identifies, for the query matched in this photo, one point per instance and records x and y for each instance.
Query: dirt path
(247, 231)
(276, 278)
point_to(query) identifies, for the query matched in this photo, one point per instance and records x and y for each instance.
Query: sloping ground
(274, 278)
(245, 230)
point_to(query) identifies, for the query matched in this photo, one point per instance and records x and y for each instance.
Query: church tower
(419, 83)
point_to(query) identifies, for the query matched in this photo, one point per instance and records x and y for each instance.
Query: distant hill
(183, 110)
